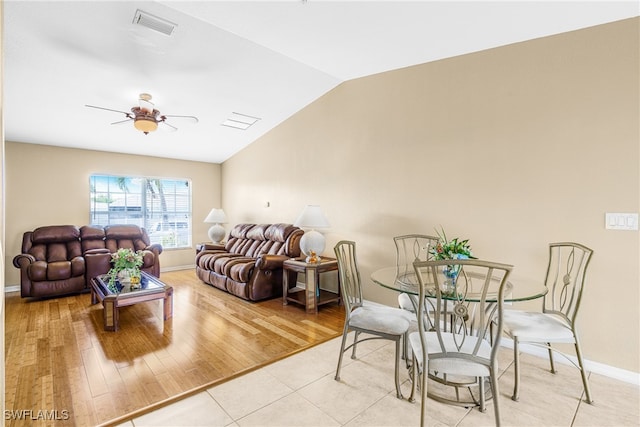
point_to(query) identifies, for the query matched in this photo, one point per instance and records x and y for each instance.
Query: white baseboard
(591, 366)
(179, 267)
(12, 288)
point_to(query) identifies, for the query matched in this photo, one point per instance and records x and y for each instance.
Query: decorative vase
(124, 276)
(129, 277)
(451, 275)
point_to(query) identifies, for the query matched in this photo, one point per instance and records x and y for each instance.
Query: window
(161, 205)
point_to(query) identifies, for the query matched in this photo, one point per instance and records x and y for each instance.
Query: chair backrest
(475, 302)
(411, 248)
(566, 271)
(349, 275)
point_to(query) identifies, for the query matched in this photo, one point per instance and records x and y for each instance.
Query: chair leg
(483, 400)
(415, 374)
(583, 373)
(344, 342)
(516, 370)
(355, 341)
(496, 394)
(397, 373)
(553, 367)
(408, 355)
(423, 392)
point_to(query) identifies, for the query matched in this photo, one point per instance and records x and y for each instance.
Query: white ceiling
(265, 59)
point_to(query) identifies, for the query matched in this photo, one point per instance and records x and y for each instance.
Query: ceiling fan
(145, 117)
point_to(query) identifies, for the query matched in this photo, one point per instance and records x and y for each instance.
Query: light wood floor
(59, 358)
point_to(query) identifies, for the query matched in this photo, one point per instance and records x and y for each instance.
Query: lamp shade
(216, 216)
(312, 217)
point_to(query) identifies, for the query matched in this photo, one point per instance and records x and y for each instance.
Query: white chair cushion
(404, 302)
(452, 365)
(536, 327)
(387, 320)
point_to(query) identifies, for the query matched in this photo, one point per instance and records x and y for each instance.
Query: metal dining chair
(459, 349)
(409, 249)
(375, 322)
(556, 323)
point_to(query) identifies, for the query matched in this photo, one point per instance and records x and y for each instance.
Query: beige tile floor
(301, 391)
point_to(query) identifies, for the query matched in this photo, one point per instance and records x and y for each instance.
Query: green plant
(124, 259)
(450, 249)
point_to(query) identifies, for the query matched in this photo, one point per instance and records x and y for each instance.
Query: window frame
(159, 204)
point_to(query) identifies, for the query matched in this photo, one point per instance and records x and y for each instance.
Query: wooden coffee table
(151, 289)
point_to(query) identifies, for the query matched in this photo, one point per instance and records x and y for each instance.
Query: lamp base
(216, 233)
(312, 245)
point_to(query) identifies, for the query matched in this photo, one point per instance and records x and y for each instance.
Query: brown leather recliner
(62, 259)
(249, 265)
(51, 262)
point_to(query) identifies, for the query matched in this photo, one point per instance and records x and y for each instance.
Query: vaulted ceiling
(233, 64)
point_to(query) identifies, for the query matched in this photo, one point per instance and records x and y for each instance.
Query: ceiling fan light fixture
(145, 124)
(145, 117)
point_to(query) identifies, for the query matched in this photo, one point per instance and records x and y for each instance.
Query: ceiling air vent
(240, 121)
(150, 21)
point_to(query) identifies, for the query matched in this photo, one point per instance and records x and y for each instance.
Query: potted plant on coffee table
(125, 268)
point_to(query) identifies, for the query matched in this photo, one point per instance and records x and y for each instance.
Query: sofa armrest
(270, 262)
(156, 248)
(97, 262)
(201, 247)
(23, 260)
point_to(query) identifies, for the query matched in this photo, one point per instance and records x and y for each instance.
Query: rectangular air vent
(150, 21)
(240, 121)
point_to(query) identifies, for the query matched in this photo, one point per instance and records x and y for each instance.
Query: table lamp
(217, 217)
(312, 242)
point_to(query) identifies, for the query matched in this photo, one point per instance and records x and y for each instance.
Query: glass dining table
(404, 279)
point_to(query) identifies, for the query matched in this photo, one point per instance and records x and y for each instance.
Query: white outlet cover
(621, 221)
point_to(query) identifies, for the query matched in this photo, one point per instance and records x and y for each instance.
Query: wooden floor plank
(58, 356)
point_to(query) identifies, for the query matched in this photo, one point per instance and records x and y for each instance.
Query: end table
(311, 296)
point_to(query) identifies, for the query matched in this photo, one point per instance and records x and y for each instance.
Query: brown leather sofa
(62, 259)
(249, 265)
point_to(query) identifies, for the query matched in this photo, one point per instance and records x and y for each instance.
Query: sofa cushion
(53, 243)
(55, 233)
(257, 232)
(91, 237)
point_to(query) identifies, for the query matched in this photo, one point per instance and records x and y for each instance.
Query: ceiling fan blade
(188, 119)
(122, 121)
(166, 126)
(108, 109)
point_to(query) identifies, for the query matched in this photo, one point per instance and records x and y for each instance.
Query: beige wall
(511, 148)
(48, 185)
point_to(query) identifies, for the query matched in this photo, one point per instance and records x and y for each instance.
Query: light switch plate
(621, 221)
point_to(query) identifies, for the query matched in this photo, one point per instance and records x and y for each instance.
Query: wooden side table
(311, 296)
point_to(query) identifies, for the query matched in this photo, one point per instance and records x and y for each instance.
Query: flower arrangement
(124, 260)
(450, 249)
